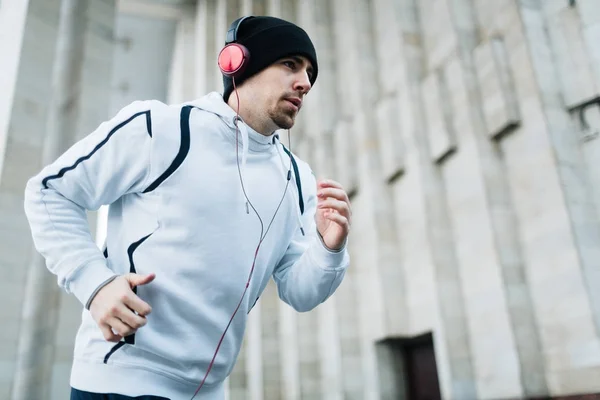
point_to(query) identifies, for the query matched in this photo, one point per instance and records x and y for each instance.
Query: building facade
(466, 132)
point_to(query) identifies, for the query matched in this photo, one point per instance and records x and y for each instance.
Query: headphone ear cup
(233, 59)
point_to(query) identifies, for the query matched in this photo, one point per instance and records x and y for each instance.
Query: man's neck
(250, 117)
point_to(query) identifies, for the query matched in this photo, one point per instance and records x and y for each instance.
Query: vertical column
(91, 97)
(410, 192)
(345, 171)
(221, 23)
(289, 354)
(272, 344)
(183, 71)
(206, 29)
(386, 36)
(589, 10)
(288, 9)
(207, 70)
(422, 42)
(307, 323)
(13, 14)
(390, 70)
(29, 32)
(321, 115)
(558, 224)
(573, 30)
(253, 357)
(254, 7)
(500, 310)
(41, 298)
(373, 228)
(274, 8)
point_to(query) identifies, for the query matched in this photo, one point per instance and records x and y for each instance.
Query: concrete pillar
(390, 166)
(41, 300)
(431, 226)
(30, 29)
(289, 354)
(253, 361)
(206, 40)
(183, 71)
(272, 344)
(13, 14)
(558, 224)
(345, 171)
(320, 119)
(310, 371)
(589, 11)
(254, 7)
(201, 42)
(499, 310)
(91, 99)
(79, 102)
(573, 32)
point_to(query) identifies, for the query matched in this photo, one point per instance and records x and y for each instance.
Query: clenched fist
(117, 310)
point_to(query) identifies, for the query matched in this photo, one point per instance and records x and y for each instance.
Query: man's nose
(303, 82)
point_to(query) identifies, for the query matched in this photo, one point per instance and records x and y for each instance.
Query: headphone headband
(233, 29)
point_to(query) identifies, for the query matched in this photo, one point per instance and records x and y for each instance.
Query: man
(205, 206)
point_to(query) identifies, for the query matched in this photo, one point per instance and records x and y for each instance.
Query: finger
(131, 318)
(337, 205)
(339, 219)
(108, 334)
(323, 183)
(138, 280)
(336, 193)
(136, 304)
(120, 327)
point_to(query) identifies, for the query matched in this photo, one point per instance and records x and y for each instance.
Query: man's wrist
(95, 292)
(332, 250)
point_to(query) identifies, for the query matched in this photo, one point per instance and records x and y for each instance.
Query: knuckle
(113, 309)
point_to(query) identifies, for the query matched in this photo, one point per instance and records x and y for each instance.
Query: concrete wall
(462, 131)
(455, 124)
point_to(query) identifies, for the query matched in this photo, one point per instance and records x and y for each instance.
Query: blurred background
(466, 132)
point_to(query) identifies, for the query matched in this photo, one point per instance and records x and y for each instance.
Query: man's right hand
(115, 306)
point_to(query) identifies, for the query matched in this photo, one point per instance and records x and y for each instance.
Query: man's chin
(285, 123)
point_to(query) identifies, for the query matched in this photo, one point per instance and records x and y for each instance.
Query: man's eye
(289, 64)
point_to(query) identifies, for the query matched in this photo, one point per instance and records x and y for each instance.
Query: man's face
(280, 88)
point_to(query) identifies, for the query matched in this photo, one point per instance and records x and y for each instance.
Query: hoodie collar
(213, 102)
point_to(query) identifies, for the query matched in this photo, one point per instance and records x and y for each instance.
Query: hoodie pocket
(131, 338)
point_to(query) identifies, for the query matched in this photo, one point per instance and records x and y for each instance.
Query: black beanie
(269, 39)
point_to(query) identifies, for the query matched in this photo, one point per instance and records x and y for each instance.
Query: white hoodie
(177, 209)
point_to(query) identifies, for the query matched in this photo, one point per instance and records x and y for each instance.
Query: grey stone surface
(476, 195)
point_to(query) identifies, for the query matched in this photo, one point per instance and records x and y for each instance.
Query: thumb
(137, 280)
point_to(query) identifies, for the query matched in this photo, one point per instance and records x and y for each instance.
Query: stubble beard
(284, 119)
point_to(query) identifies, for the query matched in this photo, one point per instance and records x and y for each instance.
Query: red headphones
(234, 57)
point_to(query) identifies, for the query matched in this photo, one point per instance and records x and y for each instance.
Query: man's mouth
(295, 101)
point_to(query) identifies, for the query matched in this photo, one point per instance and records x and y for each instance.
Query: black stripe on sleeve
(64, 170)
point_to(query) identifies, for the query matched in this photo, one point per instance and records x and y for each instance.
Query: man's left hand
(333, 213)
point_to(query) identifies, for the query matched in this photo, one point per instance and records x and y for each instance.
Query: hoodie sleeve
(112, 161)
(309, 273)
